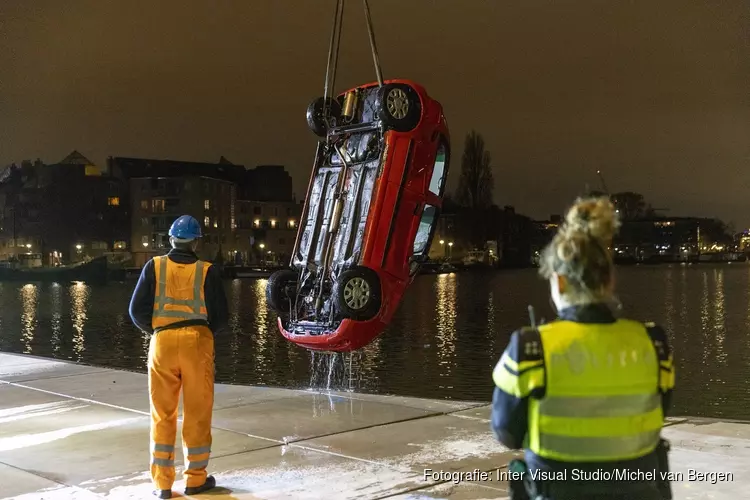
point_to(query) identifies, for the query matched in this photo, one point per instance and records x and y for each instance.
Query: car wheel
(357, 293)
(399, 107)
(316, 115)
(280, 290)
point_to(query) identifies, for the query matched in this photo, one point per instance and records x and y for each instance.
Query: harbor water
(447, 336)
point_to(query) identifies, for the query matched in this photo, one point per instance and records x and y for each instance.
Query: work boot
(208, 485)
(163, 493)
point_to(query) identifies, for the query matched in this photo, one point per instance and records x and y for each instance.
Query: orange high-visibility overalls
(181, 356)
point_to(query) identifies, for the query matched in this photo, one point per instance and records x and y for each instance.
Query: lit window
(207, 204)
(113, 201)
(206, 221)
(216, 223)
(256, 223)
(291, 223)
(273, 223)
(158, 206)
(144, 204)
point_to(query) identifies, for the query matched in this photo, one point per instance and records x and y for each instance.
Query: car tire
(357, 293)
(277, 290)
(316, 115)
(399, 107)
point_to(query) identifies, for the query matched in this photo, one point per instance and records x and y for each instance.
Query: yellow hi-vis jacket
(601, 386)
(179, 293)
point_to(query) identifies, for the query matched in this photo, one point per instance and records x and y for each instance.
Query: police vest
(179, 292)
(602, 400)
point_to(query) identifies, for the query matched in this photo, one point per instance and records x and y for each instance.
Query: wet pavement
(71, 431)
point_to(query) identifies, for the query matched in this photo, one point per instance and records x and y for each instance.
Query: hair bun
(595, 217)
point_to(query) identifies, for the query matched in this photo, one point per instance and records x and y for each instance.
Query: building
(61, 213)
(742, 241)
(267, 183)
(675, 238)
(267, 231)
(217, 194)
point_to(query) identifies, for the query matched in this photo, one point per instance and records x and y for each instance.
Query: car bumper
(349, 336)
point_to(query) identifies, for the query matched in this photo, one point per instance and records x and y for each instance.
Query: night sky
(654, 93)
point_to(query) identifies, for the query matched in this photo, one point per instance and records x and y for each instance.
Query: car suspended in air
(370, 214)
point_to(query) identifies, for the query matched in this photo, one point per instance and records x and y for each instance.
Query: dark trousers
(601, 491)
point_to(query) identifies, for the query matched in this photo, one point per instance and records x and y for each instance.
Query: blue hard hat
(185, 228)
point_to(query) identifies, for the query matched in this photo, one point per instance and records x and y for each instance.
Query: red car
(372, 204)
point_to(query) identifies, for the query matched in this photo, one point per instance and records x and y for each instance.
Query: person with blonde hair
(585, 396)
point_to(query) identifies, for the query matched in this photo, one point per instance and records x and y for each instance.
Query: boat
(93, 271)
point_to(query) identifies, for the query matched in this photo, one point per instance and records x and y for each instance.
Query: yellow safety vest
(179, 292)
(602, 400)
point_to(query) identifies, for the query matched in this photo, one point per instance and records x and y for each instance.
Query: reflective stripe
(175, 302)
(200, 464)
(199, 451)
(600, 448)
(162, 282)
(166, 448)
(162, 462)
(595, 407)
(179, 314)
(197, 302)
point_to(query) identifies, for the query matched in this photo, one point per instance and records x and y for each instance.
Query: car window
(438, 171)
(425, 227)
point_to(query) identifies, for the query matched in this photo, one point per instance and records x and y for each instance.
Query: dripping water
(334, 371)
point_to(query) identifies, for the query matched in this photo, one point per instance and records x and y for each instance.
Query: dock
(77, 432)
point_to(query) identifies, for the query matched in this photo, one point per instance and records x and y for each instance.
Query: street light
(262, 246)
(145, 244)
(78, 247)
(450, 246)
(28, 245)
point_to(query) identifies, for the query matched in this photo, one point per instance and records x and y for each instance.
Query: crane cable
(335, 42)
(335, 45)
(373, 47)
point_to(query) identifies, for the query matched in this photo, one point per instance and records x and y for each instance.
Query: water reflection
(79, 293)
(234, 323)
(669, 302)
(55, 323)
(705, 323)
(446, 336)
(445, 319)
(720, 317)
(260, 325)
(29, 299)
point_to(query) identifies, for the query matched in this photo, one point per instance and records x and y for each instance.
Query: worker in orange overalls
(181, 300)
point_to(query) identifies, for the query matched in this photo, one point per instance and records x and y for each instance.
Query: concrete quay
(70, 431)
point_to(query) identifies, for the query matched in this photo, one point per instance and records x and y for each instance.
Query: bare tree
(475, 185)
